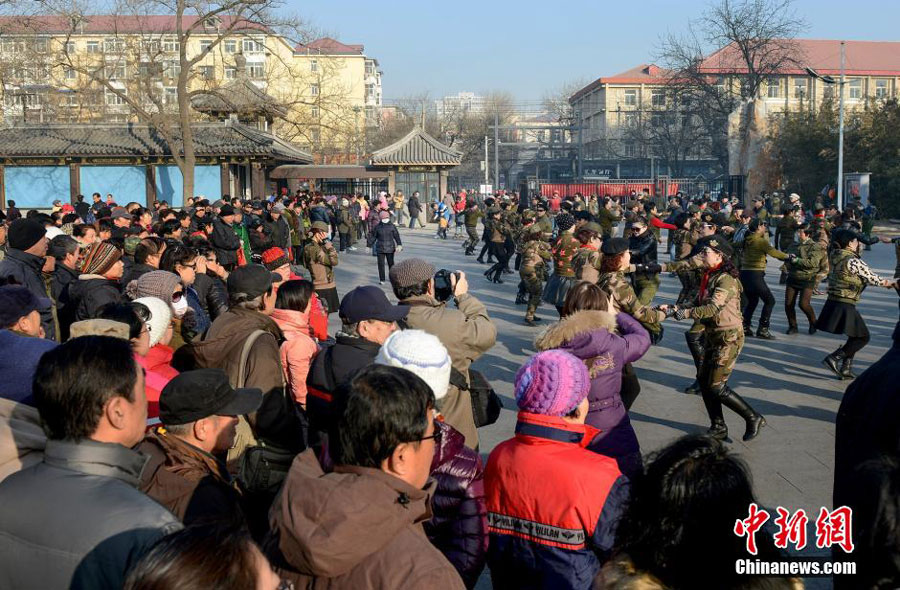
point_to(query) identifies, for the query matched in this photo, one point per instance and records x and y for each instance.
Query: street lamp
(840, 84)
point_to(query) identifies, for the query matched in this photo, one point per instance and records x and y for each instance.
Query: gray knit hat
(409, 272)
(158, 283)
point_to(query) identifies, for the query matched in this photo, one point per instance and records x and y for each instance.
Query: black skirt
(838, 317)
(329, 299)
(556, 290)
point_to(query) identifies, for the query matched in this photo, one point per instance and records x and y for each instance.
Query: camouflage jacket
(586, 264)
(684, 241)
(546, 227)
(535, 254)
(320, 260)
(499, 230)
(563, 252)
(472, 215)
(606, 218)
(811, 260)
(623, 298)
(718, 306)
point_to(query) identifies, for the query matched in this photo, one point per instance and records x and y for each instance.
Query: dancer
(753, 277)
(809, 260)
(563, 252)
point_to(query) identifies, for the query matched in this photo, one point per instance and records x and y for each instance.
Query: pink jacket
(157, 373)
(297, 351)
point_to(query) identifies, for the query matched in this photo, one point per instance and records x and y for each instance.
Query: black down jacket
(459, 526)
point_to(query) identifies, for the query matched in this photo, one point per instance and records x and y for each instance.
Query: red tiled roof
(329, 46)
(642, 74)
(112, 24)
(863, 58)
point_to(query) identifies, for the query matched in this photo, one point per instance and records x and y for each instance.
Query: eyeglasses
(436, 436)
(177, 295)
(191, 266)
(285, 585)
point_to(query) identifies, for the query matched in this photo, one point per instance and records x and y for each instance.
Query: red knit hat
(274, 257)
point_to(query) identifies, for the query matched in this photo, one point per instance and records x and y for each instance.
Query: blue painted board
(126, 183)
(169, 184)
(33, 187)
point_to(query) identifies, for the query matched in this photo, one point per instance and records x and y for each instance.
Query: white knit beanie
(419, 352)
(160, 316)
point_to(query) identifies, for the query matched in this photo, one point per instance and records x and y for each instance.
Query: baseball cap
(17, 302)
(120, 213)
(252, 279)
(370, 303)
(194, 395)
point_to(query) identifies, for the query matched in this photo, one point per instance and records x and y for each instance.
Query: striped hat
(552, 383)
(99, 258)
(274, 258)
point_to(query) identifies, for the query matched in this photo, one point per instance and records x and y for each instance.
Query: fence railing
(664, 187)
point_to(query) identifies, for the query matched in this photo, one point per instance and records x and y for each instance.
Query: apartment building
(55, 69)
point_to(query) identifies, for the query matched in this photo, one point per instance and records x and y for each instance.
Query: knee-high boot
(695, 345)
(754, 420)
(711, 399)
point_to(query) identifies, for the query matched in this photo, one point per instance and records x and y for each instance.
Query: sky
(530, 49)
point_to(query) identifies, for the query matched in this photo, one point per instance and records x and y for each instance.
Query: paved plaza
(792, 460)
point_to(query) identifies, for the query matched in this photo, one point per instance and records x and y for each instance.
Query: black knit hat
(614, 246)
(24, 233)
(565, 221)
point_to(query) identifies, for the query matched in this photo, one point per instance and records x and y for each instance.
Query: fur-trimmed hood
(566, 329)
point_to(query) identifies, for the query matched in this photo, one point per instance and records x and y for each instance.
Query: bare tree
(752, 40)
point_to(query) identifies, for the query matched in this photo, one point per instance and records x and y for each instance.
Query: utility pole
(487, 178)
(840, 179)
(496, 150)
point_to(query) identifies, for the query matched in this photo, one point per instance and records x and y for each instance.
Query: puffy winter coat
(212, 293)
(385, 238)
(89, 294)
(297, 350)
(157, 374)
(459, 525)
(26, 268)
(553, 506)
(604, 343)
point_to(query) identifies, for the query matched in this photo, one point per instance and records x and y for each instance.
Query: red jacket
(553, 505)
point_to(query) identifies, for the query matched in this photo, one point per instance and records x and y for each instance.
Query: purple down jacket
(605, 343)
(459, 525)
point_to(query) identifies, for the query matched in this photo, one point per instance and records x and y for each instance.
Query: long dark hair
(690, 496)
(294, 295)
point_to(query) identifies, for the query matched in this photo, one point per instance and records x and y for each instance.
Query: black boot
(792, 330)
(755, 421)
(748, 330)
(763, 332)
(718, 429)
(847, 368)
(833, 361)
(695, 345)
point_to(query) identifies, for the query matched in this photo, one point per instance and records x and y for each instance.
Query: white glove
(399, 248)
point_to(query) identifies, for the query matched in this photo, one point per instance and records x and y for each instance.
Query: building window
(230, 73)
(252, 46)
(113, 45)
(315, 135)
(800, 87)
(230, 46)
(42, 45)
(116, 72)
(828, 91)
(71, 74)
(881, 88)
(656, 120)
(630, 150)
(170, 95)
(256, 71)
(370, 113)
(205, 45)
(630, 98)
(70, 46)
(855, 88)
(93, 47)
(171, 45)
(314, 112)
(13, 46)
(314, 89)
(370, 92)
(113, 99)
(720, 85)
(773, 87)
(150, 47)
(657, 98)
(313, 65)
(208, 72)
(630, 119)
(70, 100)
(370, 67)
(171, 69)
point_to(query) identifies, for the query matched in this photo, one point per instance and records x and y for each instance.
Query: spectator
(867, 429)
(467, 332)
(367, 318)
(692, 493)
(210, 285)
(292, 308)
(147, 254)
(66, 251)
(380, 485)
(198, 411)
(24, 261)
(21, 340)
(384, 240)
(213, 555)
(92, 524)
(529, 484)
(121, 223)
(187, 264)
(167, 287)
(12, 213)
(98, 284)
(604, 342)
(223, 238)
(459, 525)
(415, 209)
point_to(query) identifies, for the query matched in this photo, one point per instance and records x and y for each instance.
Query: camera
(443, 284)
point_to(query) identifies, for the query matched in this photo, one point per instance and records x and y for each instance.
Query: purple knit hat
(552, 383)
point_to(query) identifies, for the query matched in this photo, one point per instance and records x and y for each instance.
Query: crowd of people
(175, 413)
